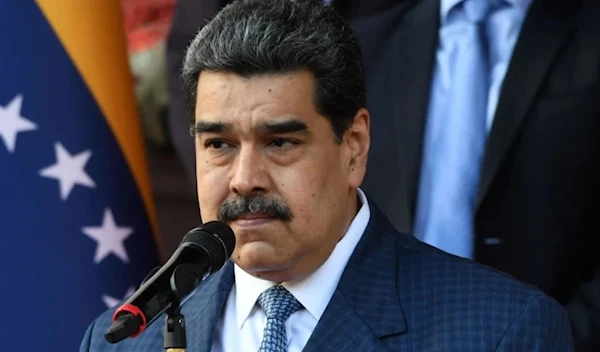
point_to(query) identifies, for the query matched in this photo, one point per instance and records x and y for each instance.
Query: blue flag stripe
(54, 288)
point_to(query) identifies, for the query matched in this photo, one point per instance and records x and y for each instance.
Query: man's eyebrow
(212, 127)
(287, 126)
(273, 127)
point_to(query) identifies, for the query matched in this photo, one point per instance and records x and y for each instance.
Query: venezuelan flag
(76, 214)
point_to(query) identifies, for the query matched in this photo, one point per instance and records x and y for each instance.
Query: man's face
(268, 165)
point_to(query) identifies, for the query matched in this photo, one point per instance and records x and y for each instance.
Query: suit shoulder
(443, 295)
(439, 268)
(457, 289)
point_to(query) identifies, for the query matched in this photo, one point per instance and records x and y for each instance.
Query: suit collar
(370, 274)
(372, 270)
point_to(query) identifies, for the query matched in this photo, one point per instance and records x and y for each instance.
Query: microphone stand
(175, 338)
(184, 278)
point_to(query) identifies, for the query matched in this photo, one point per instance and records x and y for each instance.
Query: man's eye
(282, 143)
(216, 144)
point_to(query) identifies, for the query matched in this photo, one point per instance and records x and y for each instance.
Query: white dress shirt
(240, 327)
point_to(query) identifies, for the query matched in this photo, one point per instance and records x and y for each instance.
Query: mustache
(234, 208)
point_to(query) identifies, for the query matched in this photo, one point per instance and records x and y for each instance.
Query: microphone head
(216, 238)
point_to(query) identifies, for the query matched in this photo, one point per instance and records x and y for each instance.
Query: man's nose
(250, 174)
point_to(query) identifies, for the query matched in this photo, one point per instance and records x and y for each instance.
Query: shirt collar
(315, 291)
(447, 5)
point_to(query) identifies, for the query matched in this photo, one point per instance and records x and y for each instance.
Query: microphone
(202, 252)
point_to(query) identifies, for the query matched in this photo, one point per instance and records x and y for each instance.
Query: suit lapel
(365, 307)
(342, 329)
(544, 32)
(202, 309)
(410, 83)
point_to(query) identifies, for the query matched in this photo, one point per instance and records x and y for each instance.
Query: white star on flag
(69, 170)
(109, 237)
(111, 301)
(11, 123)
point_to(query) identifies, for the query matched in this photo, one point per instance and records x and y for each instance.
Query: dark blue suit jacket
(396, 294)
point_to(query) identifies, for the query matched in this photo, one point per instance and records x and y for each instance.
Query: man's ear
(358, 140)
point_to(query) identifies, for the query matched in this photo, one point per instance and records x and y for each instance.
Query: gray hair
(253, 37)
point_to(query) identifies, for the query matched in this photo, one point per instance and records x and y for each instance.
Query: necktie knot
(278, 303)
(477, 10)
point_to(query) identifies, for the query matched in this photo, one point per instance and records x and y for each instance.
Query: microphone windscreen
(216, 238)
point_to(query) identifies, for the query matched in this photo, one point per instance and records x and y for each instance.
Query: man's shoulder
(441, 278)
(452, 275)
(464, 295)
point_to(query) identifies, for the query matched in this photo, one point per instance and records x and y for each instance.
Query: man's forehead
(278, 102)
(250, 114)
(230, 89)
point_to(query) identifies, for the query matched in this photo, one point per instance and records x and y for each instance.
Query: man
(486, 123)
(282, 138)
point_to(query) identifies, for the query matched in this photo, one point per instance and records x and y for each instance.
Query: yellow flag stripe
(91, 31)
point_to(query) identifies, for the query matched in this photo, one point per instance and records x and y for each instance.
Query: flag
(76, 215)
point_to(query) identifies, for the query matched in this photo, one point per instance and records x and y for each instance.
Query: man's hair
(256, 37)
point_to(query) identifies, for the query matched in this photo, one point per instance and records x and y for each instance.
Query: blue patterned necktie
(278, 304)
(455, 145)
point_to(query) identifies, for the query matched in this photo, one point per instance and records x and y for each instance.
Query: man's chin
(274, 274)
(260, 260)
